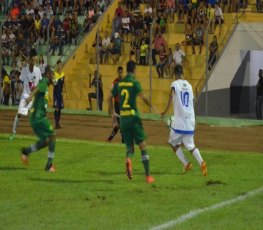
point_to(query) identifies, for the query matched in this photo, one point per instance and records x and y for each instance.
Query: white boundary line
(197, 212)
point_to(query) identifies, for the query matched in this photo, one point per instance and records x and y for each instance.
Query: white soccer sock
(51, 155)
(197, 156)
(181, 156)
(16, 122)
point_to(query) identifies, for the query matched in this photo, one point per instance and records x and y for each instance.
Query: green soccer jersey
(127, 90)
(41, 99)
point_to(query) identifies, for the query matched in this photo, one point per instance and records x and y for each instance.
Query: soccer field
(90, 189)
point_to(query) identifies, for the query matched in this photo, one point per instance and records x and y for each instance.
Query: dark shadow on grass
(70, 181)
(9, 168)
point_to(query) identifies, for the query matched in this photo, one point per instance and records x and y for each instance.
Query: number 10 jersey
(183, 103)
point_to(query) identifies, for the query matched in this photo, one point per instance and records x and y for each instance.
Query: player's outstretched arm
(169, 102)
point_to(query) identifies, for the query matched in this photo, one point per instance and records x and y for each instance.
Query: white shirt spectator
(106, 42)
(148, 10)
(178, 56)
(219, 13)
(125, 23)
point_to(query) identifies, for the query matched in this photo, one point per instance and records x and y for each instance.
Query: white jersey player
(183, 122)
(30, 76)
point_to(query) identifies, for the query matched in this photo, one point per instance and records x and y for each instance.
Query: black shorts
(58, 102)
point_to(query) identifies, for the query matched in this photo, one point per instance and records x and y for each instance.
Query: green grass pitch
(90, 189)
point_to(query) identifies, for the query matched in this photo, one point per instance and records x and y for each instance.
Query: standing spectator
(191, 14)
(66, 26)
(201, 13)
(148, 10)
(259, 100)
(219, 18)
(159, 41)
(147, 22)
(6, 88)
(210, 14)
(162, 24)
(15, 11)
(37, 27)
(44, 26)
(170, 9)
(162, 61)
(135, 46)
(116, 48)
(58, 93)
(119, 10)
(97, 83)
(104, 48)
(189, 37)
(116, 24)
(125, 21)
(180, 13)
(169, 65)
(213, 53)
(143, 52)
(178, 56)
(74, 27)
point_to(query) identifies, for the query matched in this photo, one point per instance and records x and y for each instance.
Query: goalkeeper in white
(183, 122)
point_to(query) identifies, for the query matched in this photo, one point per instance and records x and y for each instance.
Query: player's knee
(191, 149)
(19, 115)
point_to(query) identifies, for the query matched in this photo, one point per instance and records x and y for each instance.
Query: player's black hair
(120, 68)
(131, 65)
(59, 62)
(178, 70)
(48, 69)
(32, 53)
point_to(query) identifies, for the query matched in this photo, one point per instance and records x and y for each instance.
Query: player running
(116, 104)
(130, 123)
(39, 121)
(58, 93)
(30, 76)
(183, 122)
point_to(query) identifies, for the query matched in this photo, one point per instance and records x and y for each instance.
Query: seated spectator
(189, 37)
(48, 10)
(191, 14)
(76, 7)
(37, 27)
(44, 26)
(170, 9)
(161, 7)
(147, 22)
(162, 61)
(98, 94)
(58, 40)
(143, 52)
(199, 34)
(213, 53)
(162, 24)
(219, 18)
(115, 51)
(201, 13)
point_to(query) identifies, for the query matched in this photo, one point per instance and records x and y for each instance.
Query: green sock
(145, 161)
(51, 145)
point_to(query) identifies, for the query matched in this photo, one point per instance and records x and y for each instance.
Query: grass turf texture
(90, 189)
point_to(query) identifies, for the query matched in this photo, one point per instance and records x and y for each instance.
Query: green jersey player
(131, 127)
(39, 121)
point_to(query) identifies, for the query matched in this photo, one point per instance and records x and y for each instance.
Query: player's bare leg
(200, 160)
(15, 125)
(179, 153)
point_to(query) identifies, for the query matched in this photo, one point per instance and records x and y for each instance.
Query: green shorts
(42, 127)
(132, 130)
